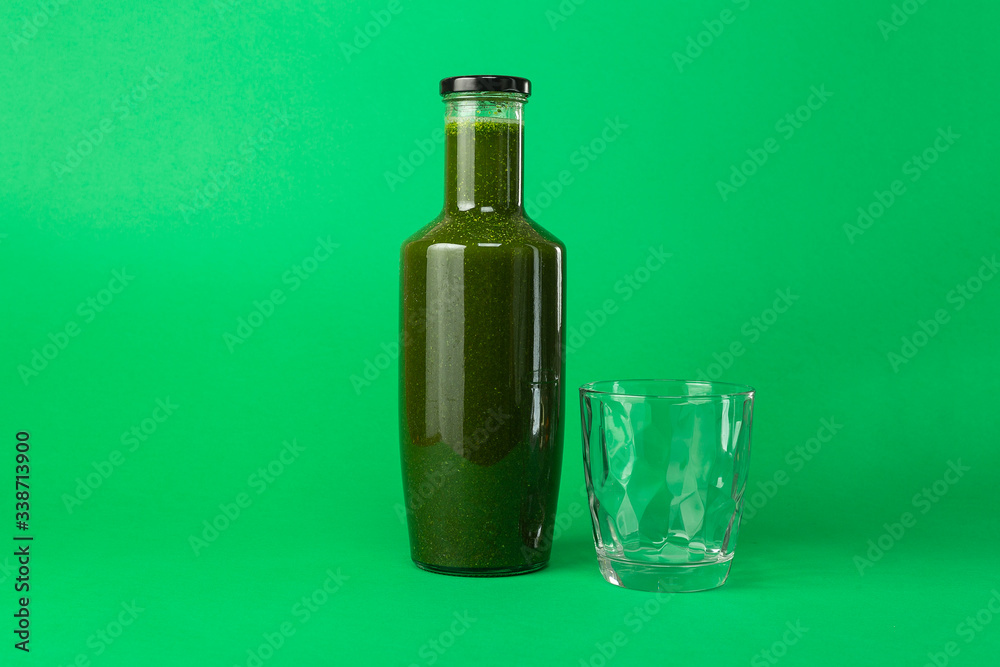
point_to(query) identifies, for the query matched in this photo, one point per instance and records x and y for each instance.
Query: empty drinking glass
(666, 465)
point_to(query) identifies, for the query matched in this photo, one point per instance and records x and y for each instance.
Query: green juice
(481, 366)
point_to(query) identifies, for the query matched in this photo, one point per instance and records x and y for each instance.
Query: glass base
(480, 571)
(687, 578)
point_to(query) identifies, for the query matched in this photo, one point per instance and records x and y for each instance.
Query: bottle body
(482, 338)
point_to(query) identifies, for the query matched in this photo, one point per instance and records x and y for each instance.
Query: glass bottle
(482, 339)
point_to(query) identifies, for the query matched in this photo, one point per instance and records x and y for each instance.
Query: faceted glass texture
(666, 467)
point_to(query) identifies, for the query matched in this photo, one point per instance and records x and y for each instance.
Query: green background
(261, 133)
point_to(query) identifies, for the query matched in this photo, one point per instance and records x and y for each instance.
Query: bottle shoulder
(484, 228)
(546, 234)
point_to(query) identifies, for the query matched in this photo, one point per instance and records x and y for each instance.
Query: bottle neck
(484, 152)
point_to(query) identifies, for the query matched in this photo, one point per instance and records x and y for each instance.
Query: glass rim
(734, 389)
